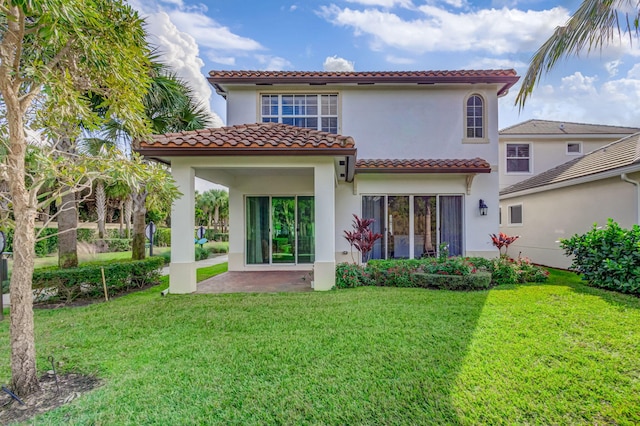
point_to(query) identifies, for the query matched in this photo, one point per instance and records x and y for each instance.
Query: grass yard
(557, 353)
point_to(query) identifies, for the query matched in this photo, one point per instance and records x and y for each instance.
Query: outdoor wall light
(483, 208)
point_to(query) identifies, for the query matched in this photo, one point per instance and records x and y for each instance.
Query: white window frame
(507, 158)
(465, 137)
(509, 221)
(579, 148)
(279, 117)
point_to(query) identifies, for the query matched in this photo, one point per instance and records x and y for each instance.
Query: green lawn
(556, 353)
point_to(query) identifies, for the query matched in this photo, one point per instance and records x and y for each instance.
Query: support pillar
(182, 269)
(324, 273)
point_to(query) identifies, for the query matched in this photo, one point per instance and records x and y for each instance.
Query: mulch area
(51, 395)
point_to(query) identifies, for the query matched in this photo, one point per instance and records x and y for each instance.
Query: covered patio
(257, 282)
(266, 166)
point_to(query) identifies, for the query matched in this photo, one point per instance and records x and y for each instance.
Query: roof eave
(423, 170)
(217, 151)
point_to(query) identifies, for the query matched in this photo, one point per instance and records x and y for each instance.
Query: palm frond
(592, 26)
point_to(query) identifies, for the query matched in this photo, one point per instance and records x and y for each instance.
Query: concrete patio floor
(257, 282)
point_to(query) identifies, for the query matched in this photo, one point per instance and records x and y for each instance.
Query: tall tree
(64, 49)
(594, 25)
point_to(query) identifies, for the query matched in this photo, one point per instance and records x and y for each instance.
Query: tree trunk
(68, 220)
(128, 211)
(101, 207)
(139, 213)
(68, 232)
(216, 218)
(120, 230)
(23, 350)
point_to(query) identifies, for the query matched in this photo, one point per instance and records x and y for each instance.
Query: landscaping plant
(503, 240)
(607, 257)
(362, 238)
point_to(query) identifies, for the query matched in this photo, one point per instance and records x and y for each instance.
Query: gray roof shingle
(548, 127)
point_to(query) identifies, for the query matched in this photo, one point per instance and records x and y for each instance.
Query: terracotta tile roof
(356, 75)
(622, 153)
(246, 139)
(548, 127)
(505, 77)
(475, 165)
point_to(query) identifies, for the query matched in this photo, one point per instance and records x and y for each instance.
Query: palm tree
(594, 25)
(170, 106)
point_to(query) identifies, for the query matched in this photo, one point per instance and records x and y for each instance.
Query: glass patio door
(280, 230)
(283, 237)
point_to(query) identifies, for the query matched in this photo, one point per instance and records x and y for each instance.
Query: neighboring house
(420, 157)
(568, 199)
(534, 146)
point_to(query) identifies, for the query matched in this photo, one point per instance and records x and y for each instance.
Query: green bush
(202, 253)
(480, 280)
(86, 280)
(505, 270)
(87, 235)
(607, 257)
(218, 247)
(162, 237)
(349, 275)
(118, 244)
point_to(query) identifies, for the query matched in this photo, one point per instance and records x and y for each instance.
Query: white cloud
(334, 63)
(495, 63)
(180, 52)
(383, 3)
(273, 63)
(634, 72)
(579, 98)
(209, 33)
(579, 84)
(293, 7)
(224, 60)
(612, 67)
(399, 60)
(435, 29)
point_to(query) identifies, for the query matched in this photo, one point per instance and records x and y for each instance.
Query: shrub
(218, 247)
(86, 235)
(162, 237)
(349, 275)
(516, 271)
(118, 244)
(608, 257)
(202, 253)
(476, 281)
(86, 280)
(166, 257)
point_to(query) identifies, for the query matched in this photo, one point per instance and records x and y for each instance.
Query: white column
(182, 270)
(236, 230)
(324, 273)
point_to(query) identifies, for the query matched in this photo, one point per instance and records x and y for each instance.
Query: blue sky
(195, 37)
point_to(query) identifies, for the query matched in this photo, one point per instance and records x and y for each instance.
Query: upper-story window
(311, 111)
(574, 148)
(518, 158)
(475, 116)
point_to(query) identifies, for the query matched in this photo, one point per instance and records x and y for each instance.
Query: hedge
(477, 281)
(49, 244)
(66, 285)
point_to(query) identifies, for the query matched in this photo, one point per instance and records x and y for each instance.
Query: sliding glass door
(414, 225)
(280, 230)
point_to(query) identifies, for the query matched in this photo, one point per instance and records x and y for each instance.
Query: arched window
(475, 115)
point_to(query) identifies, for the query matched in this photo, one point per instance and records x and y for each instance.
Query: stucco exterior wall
(393, 122)
(546, 153)
(551, 215)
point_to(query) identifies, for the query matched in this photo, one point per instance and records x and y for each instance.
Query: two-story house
(420, 158)
(559, 178)
(534, 146)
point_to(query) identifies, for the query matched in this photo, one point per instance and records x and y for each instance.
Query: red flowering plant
(503, 240)
(361, 237)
